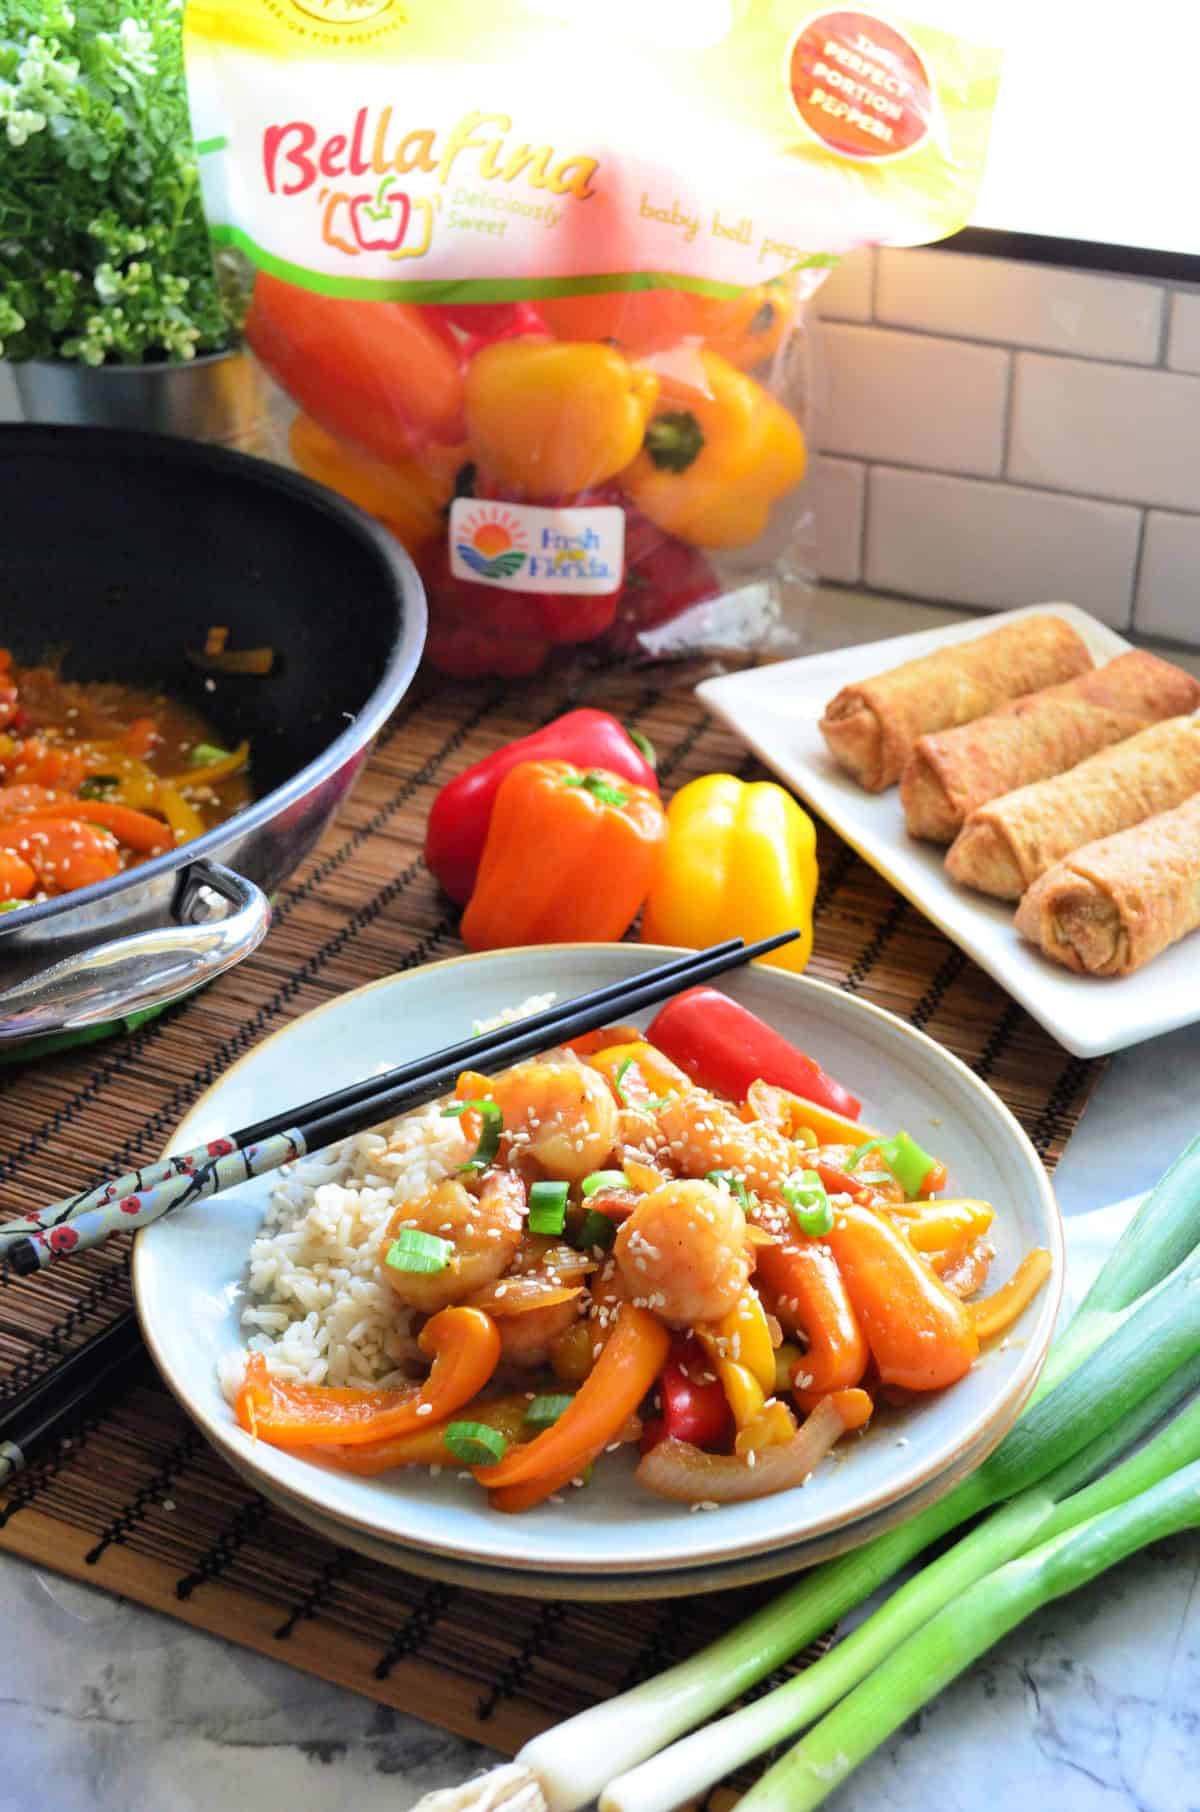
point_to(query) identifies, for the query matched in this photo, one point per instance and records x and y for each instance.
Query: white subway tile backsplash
(1168, 596)
(1183, 332)
(912, 399)
(1033, 305)
(10, 408)
(839, 498)
(845, 295)
(998, 545)
(1107, 430)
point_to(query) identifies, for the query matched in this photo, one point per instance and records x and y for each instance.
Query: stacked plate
(612, 1540)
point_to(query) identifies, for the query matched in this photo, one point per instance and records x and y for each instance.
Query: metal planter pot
(223, 397)
(123, 549)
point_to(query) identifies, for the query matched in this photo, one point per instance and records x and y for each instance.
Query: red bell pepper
(724, 1047)
(458, 824)
(485, 322)
(691, 1410)
(663, 578)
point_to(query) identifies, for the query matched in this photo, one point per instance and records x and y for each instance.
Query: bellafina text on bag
(533, 275)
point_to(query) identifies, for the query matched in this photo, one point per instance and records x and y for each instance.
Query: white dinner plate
(775, 710)
(189, 1268)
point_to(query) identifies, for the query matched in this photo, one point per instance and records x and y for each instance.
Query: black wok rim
(411, 622)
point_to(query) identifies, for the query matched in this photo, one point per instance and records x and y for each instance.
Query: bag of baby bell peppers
(533, 274)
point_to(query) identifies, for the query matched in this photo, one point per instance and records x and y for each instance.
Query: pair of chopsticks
(79, 1222)
(82, 1221)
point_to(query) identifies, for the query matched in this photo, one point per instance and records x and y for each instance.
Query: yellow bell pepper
(550, 418)
(715, 458)
(743, 1335)
(773, 1426)
(410, 495)
(740, 861)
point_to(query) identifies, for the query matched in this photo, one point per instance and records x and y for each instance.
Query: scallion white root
(509, 1788)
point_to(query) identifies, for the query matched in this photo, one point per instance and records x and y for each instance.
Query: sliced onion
(520, 1295)
(687, 1474)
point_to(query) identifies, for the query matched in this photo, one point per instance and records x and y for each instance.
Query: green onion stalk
(1129, 1355)
(919, 1669)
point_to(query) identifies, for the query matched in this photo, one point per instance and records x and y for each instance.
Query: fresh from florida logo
(492, 542)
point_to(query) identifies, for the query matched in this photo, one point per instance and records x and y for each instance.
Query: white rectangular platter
(775, 711)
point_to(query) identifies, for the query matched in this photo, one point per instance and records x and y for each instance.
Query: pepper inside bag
(535, 284)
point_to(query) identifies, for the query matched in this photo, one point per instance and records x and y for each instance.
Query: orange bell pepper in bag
(383, 375)
(920, 1335)
(569, 856)
(410, 495)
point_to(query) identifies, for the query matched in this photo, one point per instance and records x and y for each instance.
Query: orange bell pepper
(801, 1277)
(427, 1447)
(464, 1345)
(792, 1115)
(17, 879)
(633, 1356)
(63, 851)
(747, 329)
(410, 495)
(995, 1313)
(920, 1335)
(638, 321)
(384, 375)
(637, 1072)
(569, 856)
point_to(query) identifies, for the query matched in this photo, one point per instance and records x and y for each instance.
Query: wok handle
(148, 968)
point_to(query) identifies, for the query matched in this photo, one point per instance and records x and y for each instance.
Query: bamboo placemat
(136, 1502)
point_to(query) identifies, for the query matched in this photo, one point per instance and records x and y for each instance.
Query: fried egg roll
(1005, 845)
(952, 773)
(1111, 906)
(871, 726)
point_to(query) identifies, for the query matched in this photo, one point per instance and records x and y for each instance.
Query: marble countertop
(1093, 1706)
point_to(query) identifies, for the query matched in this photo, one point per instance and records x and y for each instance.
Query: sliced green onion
(734, 1184)
(906, 1160)
(595, 1229)
(205, 754)
(809, 1202)
(417, 1251)
(603, 1179)
(489, 1137)
(543, 1412)
(474, 1443)
(99, 786)
(10, 905)
(547, 1207)
(625, 1063)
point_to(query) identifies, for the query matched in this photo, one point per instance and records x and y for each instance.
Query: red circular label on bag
(860, 85)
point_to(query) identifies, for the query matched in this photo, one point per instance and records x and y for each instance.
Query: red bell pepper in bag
(458, 824)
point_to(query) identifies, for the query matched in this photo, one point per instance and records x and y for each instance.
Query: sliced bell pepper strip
(998, 1312)
(465, 1347)
(743, 1336)
(427, 1447)
(631, 1360)
(920, 1335)
(63, 851)
(913, 1168)
(792, 1115)
(805, 1286)
(458, 823)
(740, 862)
(555, 831)
(638, 1073)
(725, 1047)
(694, 1406)
(137, 830)
(773, 1426)
(17, 879)
(945, 1223)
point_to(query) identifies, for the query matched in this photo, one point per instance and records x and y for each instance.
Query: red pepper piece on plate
(458, 824)
(725, 1047)
(694, 1405)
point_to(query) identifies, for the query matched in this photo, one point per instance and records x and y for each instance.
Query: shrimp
(483, 1228)
(684, 1252)
(525, 1340)
(560, 1114)
(704, 1135)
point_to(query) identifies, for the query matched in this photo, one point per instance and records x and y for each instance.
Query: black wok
(120, 551)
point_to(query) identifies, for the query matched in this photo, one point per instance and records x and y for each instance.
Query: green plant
(104, 254)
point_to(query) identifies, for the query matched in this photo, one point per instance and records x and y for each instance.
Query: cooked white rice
(317, 1303)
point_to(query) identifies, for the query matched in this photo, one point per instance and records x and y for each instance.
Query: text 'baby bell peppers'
(717, 454)
(740, 862)
(550, 418)
(458, 823)
(570, 855)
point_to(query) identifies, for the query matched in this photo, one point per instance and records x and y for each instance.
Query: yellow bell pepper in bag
(740, 861)
(715, 458)
(550, 418)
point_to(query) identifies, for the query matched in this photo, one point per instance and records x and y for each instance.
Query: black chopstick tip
(23, 1258)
